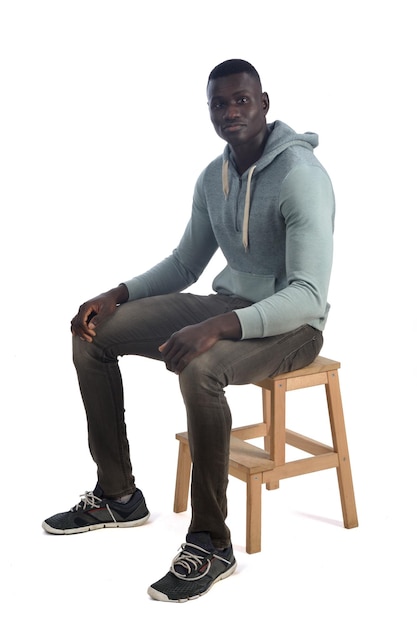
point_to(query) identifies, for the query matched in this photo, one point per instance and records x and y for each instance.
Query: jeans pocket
(303, 347)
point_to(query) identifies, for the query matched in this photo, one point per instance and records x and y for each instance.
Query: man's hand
(191, 341)
(94, 311)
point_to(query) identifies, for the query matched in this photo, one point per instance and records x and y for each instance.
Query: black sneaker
(194, 570)
(94, 512)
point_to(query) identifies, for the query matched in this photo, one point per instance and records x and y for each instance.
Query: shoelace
(193, 562)
(88, 499)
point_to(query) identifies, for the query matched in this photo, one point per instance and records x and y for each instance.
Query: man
(268, 204)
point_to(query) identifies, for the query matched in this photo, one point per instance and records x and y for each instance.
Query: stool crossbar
(257, 466)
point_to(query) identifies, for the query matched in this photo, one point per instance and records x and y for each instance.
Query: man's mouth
(231, 128)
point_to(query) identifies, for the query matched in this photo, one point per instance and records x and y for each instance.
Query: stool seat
(257, 466)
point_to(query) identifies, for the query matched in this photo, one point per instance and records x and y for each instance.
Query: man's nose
(232, 111)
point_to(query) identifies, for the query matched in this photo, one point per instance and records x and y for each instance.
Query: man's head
(237, 105)
(234, 66)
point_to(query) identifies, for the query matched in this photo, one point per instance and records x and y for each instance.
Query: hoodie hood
(280, 138)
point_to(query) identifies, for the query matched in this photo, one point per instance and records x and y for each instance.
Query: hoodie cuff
(250, 322)
(136, 289)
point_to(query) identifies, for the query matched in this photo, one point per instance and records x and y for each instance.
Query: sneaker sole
(162, 597)
(84, 529)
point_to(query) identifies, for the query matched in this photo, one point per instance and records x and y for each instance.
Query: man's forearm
(121, 293)
(225, 326)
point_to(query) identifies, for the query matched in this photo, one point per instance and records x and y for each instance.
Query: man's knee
(84, 351)
(79, 348)
(201, 376)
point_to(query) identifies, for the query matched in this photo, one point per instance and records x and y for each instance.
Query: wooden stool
(256, 465)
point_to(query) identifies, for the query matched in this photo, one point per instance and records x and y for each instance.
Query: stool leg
(253, 513)
(182, 483)
(344, 473)
(276, 440)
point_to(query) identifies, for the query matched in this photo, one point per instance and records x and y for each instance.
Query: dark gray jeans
(140, 327)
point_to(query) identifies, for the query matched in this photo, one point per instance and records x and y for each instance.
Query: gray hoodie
(274, 225)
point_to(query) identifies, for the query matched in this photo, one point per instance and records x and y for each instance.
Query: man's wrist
(120, 293)
(226, 326)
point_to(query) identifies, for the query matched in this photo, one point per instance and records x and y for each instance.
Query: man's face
(238, 108)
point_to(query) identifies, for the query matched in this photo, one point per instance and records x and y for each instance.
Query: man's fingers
(92, 324)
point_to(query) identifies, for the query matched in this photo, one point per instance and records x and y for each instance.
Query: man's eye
(243, 100)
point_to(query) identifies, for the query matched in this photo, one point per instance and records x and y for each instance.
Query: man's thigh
(141, 326)
(251, 360)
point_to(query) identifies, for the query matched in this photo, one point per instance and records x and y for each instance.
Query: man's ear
(265, 102)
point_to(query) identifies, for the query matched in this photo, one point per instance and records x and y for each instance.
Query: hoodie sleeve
(186, 263)
(307, 205)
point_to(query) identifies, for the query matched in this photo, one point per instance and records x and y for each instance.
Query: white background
(104, 128)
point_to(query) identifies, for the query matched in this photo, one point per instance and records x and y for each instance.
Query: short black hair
(233, 66)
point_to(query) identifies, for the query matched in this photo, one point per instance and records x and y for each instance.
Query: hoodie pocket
(253, 287)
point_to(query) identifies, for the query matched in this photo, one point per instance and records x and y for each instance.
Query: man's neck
(245, 156)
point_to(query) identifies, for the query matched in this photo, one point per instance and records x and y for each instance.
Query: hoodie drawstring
(245, 233)
(246, 211)
(225, 178)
